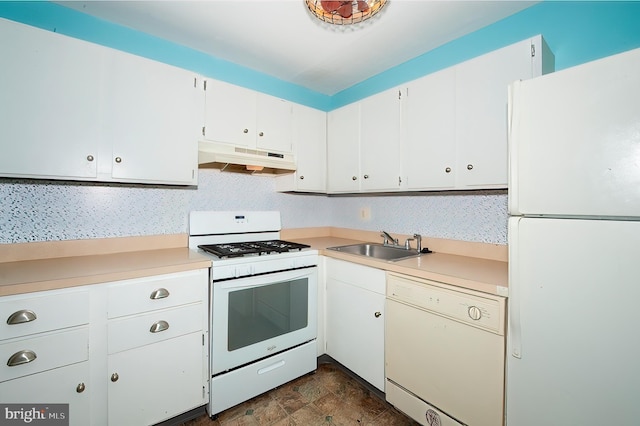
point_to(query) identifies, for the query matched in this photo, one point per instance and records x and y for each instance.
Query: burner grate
(259, 248)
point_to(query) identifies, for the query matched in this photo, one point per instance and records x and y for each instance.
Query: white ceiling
(282, 39)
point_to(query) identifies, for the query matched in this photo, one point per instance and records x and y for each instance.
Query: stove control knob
(474, 313)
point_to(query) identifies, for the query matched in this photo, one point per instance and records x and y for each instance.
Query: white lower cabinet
(155, 382)
(355, 297)
(44, 351)
(131, 352)
(157, 346)
(64, 385)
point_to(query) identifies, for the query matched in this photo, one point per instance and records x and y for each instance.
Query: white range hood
(238, 159)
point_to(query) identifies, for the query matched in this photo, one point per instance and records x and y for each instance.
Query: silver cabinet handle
(261, 134)
(21, 316)
(366, 176)
(354, 177)
(160, 293)
(301, 177)
(447, 170)
(80, 388)
(377, 314)
(114, 377)
(245, 131)
(21, 357)
(469, 166)
(89, 157)
(118, 160)
(159, 326)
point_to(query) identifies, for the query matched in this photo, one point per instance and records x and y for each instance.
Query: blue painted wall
(576, 32)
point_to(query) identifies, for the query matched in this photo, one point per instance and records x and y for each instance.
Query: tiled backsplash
(48, 210)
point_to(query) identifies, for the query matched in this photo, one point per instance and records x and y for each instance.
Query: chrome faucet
(387, 237)
(418, 239)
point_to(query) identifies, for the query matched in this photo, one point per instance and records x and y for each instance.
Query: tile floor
(327, 397)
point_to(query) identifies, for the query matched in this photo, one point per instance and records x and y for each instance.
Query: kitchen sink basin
(376, 251)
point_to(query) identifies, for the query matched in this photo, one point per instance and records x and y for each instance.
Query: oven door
(255, 317)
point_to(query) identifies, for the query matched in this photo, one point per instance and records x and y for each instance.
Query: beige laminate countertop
(485, 275)
(26, 276)
(31, 267)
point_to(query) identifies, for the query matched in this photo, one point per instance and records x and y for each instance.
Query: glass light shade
(344, 12)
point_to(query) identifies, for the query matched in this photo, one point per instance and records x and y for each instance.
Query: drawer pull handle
(114, 377)
(21, 357)
(377, 314)
(159, 326)
(271, 367)
(160, 293)
(80, 388)
(21, 316)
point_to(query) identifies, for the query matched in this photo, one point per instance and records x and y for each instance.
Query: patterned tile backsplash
(49, 210)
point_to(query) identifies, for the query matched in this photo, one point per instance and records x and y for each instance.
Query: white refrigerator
(573, 341)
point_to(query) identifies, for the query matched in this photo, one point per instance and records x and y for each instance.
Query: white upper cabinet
(456, 119)
(79, 111)
(481, 113)
(429, 144)
(343, 149)
(379, 142)
(246, 118)
(363, 145)
(155, 110)
(310, 149)
(51, 106)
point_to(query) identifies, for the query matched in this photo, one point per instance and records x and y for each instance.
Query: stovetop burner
(255, 248)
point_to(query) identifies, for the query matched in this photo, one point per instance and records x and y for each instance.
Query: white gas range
(263, 304)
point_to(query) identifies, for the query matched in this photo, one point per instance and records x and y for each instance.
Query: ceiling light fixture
(344, 12)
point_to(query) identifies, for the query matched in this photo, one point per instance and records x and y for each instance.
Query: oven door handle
(262, 280)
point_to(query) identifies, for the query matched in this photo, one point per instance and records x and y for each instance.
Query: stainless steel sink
(376, 251)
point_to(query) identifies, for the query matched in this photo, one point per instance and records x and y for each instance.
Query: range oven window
(261, 313)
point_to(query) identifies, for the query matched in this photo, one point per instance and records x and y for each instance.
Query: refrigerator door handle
(514, 329)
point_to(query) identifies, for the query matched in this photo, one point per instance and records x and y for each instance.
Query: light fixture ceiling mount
(344, 12)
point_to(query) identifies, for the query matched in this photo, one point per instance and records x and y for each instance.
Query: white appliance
(444, 353)
(263, 304)
(573, 353)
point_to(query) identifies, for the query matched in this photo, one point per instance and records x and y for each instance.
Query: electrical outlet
(365, 213)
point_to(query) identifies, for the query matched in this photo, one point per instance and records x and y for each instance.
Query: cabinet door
(310, 148)
(429, 149)
(355, 330)
(481, 114)
(379, 141)
(343, 152)
(155, 382)
(154, 115)
(65, 385)
(51, 108)
(355, 318)
(273, 123)
(230, 114)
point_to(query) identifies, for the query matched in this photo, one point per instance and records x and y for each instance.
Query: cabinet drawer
(365, 277)
(159, 292)
(140, 330)
(46, 351)
(24, 315)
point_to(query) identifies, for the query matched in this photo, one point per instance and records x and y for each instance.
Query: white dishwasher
(444, 353)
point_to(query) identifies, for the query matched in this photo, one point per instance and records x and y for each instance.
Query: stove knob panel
(243, 271)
